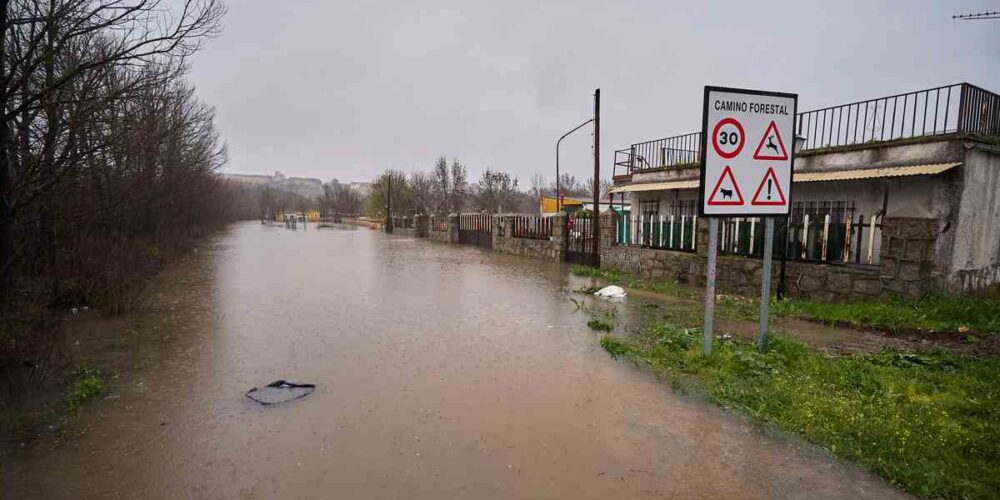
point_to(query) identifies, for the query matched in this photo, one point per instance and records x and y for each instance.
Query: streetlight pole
(558, 195)
(596, 226)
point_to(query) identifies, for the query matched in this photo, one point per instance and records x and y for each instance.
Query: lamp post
(797, 146)
(558, 194)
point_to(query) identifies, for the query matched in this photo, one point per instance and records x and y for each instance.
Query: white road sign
(746, 152)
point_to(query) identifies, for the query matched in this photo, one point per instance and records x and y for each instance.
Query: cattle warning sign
(746, 148)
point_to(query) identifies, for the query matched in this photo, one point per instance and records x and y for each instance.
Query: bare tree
(390, 195)
(442, 186)
(423, 192)
(538, 189)
(63, 62)
(495, 191)
(459, 186)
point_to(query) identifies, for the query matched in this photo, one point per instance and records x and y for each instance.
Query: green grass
(601, 323)
(932, 313)
(937, 313)
(927, 422)
(87, 382)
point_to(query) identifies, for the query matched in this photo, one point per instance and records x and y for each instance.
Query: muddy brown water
(442, 371)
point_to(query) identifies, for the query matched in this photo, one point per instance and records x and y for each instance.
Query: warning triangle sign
(769, 192)
(726, 192)
(771, 144)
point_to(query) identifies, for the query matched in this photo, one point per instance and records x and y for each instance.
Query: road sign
(769, 192)
(728, 169)
(775, 147)
(726, 191)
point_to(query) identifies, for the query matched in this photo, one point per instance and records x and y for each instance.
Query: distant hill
(302, 186)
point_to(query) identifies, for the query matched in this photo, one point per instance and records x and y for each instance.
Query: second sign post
(746, 171)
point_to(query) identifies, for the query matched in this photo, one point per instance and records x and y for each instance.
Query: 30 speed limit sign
(728, 138)
(746, 160)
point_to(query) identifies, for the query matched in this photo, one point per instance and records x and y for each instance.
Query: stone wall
(504, 241)
(421, 225)
(907, 256)
(906, 269)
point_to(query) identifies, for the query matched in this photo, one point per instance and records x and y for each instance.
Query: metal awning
(874, 173)
(655, 186)
(839, 175)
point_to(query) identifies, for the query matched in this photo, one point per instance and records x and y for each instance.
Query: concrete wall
(975, 253)
(890, 154)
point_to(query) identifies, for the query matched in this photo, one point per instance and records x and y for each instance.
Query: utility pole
(388, 203)
(596, 227)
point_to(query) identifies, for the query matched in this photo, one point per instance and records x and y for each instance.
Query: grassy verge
(630, 280)
(87, 382)
(927, 423)
(933, 313)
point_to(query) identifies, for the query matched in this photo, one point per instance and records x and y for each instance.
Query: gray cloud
(345, 89)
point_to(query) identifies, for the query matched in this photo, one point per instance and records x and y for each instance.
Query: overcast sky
(346, 89)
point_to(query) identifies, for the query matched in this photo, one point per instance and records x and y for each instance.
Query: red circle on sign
(715, 137)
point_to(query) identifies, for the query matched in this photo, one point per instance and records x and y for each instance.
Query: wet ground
(441, 371)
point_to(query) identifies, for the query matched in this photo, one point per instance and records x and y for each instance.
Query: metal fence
(531, 227)
(439, 224)
(961, 108)
(579, 234)
(815, 232)
(476, 229)
(824, 232)
(660, 231)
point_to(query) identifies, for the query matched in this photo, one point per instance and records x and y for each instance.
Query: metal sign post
(713, 250)
(765, 282)
(746, 171)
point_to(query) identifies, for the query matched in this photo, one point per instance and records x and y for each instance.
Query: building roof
(874, 173)
(656, 186)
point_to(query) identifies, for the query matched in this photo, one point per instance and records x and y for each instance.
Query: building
(900, 194)
(547, 205)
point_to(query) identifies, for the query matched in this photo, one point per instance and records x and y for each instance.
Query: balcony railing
(953, 109)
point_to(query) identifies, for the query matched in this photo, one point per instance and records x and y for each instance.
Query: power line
(981, 15)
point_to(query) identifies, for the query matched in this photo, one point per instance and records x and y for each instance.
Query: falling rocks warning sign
(733, 122)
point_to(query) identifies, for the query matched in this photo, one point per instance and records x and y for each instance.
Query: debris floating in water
(612, 292)
(279, 391)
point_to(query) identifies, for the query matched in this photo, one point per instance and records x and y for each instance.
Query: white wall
(975, 260)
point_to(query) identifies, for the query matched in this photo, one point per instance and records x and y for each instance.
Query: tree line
(445, 189)
(107, 156)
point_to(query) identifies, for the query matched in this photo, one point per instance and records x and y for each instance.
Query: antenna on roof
(981, 15)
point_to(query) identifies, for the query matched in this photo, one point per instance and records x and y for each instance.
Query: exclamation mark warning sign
(769, 192)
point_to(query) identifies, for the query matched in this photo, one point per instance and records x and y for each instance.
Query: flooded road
(441, 371)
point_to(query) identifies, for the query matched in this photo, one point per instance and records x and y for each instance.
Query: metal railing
(531, 227)
(658, 231)
(823, 233)
(962, 108)
(439, 224)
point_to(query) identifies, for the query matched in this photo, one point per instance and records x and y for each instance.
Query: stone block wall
(907, 256)
(505, 242)
(421, 225)
(434, 234)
